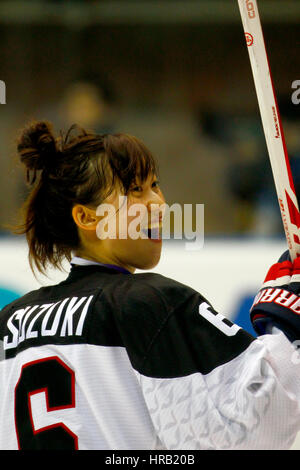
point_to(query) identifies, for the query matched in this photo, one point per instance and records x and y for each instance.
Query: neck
(104, 260)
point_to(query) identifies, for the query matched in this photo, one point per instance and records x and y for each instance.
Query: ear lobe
(84, 217)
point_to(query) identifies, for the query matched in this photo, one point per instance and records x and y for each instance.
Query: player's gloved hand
(278, 302)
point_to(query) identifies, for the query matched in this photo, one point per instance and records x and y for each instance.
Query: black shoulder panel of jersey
(165, 333)
(155, 318)
(142, 305)
(61, 314)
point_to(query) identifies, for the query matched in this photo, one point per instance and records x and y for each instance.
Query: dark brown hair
(69, 170)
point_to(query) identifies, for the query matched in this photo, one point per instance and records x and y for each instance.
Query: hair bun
(37, 146)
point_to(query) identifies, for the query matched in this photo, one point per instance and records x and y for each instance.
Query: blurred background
(176, 74)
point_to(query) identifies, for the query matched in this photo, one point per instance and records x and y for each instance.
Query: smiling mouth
(154, 233)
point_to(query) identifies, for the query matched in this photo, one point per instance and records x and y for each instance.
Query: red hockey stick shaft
(272, 125)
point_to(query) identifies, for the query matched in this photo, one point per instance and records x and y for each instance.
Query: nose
(155, 199)
(156, 208)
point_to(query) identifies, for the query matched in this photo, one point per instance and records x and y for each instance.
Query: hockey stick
(272, 125)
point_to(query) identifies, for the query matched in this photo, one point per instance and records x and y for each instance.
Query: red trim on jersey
(49, 408)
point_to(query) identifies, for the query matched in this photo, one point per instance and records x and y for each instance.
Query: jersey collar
(76, 260)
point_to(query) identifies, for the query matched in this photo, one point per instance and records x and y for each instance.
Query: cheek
(129, 223)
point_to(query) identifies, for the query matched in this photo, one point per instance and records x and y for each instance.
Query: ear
(84, 217)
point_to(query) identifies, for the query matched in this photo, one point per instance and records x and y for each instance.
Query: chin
(148, 264)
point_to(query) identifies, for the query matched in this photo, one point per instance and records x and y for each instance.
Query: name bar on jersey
(65, 318)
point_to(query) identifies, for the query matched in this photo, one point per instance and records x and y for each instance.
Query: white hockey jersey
(117, 361)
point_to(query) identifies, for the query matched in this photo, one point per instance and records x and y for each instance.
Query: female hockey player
(113, 359)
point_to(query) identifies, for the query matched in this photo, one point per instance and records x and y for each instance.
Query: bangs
(129, 159)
